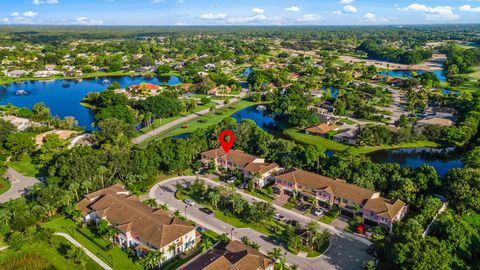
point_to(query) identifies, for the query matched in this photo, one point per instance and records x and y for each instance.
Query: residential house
(150, 87)
(138, 226)
(321, 130)
(20, 123)
(232, 256)
(220, 90)
(251, 166)
(210, 66)
(347, 136)
(16, 73)
(316, 93)
(46, 73)
(350, 199)
(178, 66)
(445, 122)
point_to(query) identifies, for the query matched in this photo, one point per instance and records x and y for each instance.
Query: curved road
(20, 184)
(346, 251)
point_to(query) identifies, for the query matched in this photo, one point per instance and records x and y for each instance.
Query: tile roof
(385, 208)
(261, 167)
(235, 256)
(322, 128)
(128, 214)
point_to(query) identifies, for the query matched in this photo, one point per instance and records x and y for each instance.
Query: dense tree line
(394, 54)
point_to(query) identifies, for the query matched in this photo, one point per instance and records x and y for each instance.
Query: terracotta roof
(144, 86)
(128, 214)
(339, 187)
(385, 208)
(261, 167)
(235, 256)
(235, 156)
(322, 128)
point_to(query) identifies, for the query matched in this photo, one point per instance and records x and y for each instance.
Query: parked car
(230, 180)
(279, 217)
(292, 222)
(206, 211)
(369, 232)
(305, 207)
(318, 212)
(371, 250)
(274, 241)
(189, 202)
(242, 185)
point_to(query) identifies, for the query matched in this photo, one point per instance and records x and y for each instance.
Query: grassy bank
(25, 167)
(332, 145)
(47, 252)
(4, 185)
(119, 258)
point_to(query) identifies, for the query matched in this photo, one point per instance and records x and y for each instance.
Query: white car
(189, 202)
(318, 212)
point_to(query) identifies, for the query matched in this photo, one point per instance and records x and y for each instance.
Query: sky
(238, 12)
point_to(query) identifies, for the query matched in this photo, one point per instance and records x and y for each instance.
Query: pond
(63, 96)
(333, 91)
(408, 73)
(441, 159)
(261, 118)
(246, 72)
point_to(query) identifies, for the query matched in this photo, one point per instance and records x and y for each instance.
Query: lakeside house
(347, 136)
(138, 226)
(46, 73)
(251, 166)
(219, 90)
(232, 256)
(16, 73)
(351, 200)
(321, 130)
(19, 122)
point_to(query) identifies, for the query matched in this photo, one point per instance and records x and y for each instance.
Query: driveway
(20, 185)
(346, 251)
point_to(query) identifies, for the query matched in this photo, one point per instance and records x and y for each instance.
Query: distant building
(232, 256)
(348, 136)
(220, 90)
(322, 129)
(20, 123)
(210, 66)
(16, 73)
(46, 73)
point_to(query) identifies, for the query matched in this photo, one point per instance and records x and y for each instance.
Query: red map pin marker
(226, 145)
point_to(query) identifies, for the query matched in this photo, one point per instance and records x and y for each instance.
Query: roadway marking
(16, 180)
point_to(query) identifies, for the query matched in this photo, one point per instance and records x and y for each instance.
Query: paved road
(182, 120)
(89, 254)
(20, 185)
(346, 251)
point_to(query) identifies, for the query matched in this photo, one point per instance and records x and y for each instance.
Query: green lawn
(4, 185)
(159, 122)
(120, 258)
(24, 167)
(51, 254)
(326, 219)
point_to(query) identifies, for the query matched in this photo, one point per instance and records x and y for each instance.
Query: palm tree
(206, 244)
(177, 213)
(151, 202)
(275, 253)
(214, 197)
(172, 248)
(163, 207)
(256, 177)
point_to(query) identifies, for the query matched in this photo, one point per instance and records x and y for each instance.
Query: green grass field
(120, 258)
(51, 254)
(4, 185)
(24, 167)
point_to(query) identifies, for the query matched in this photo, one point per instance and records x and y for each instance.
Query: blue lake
(63, 96)
(441, 159)
(408, 73)
(333, 91)
(246, 72)
(261, 118)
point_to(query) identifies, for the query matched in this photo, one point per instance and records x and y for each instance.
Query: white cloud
(469, 8)
(257, 19)
(438, 13)
(350, 9)
(337, 12)
(15, 14)
(293, 9)
(29, 14)
(312, 17)
(258, 10)
(157, 1)
(370, 17)
(346, 2)
(41, 2)
(212, 16)
(87, 21)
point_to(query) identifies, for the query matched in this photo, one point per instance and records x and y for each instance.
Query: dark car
(371, 250)
(274, 241)
(292, 222)
(206, 211)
